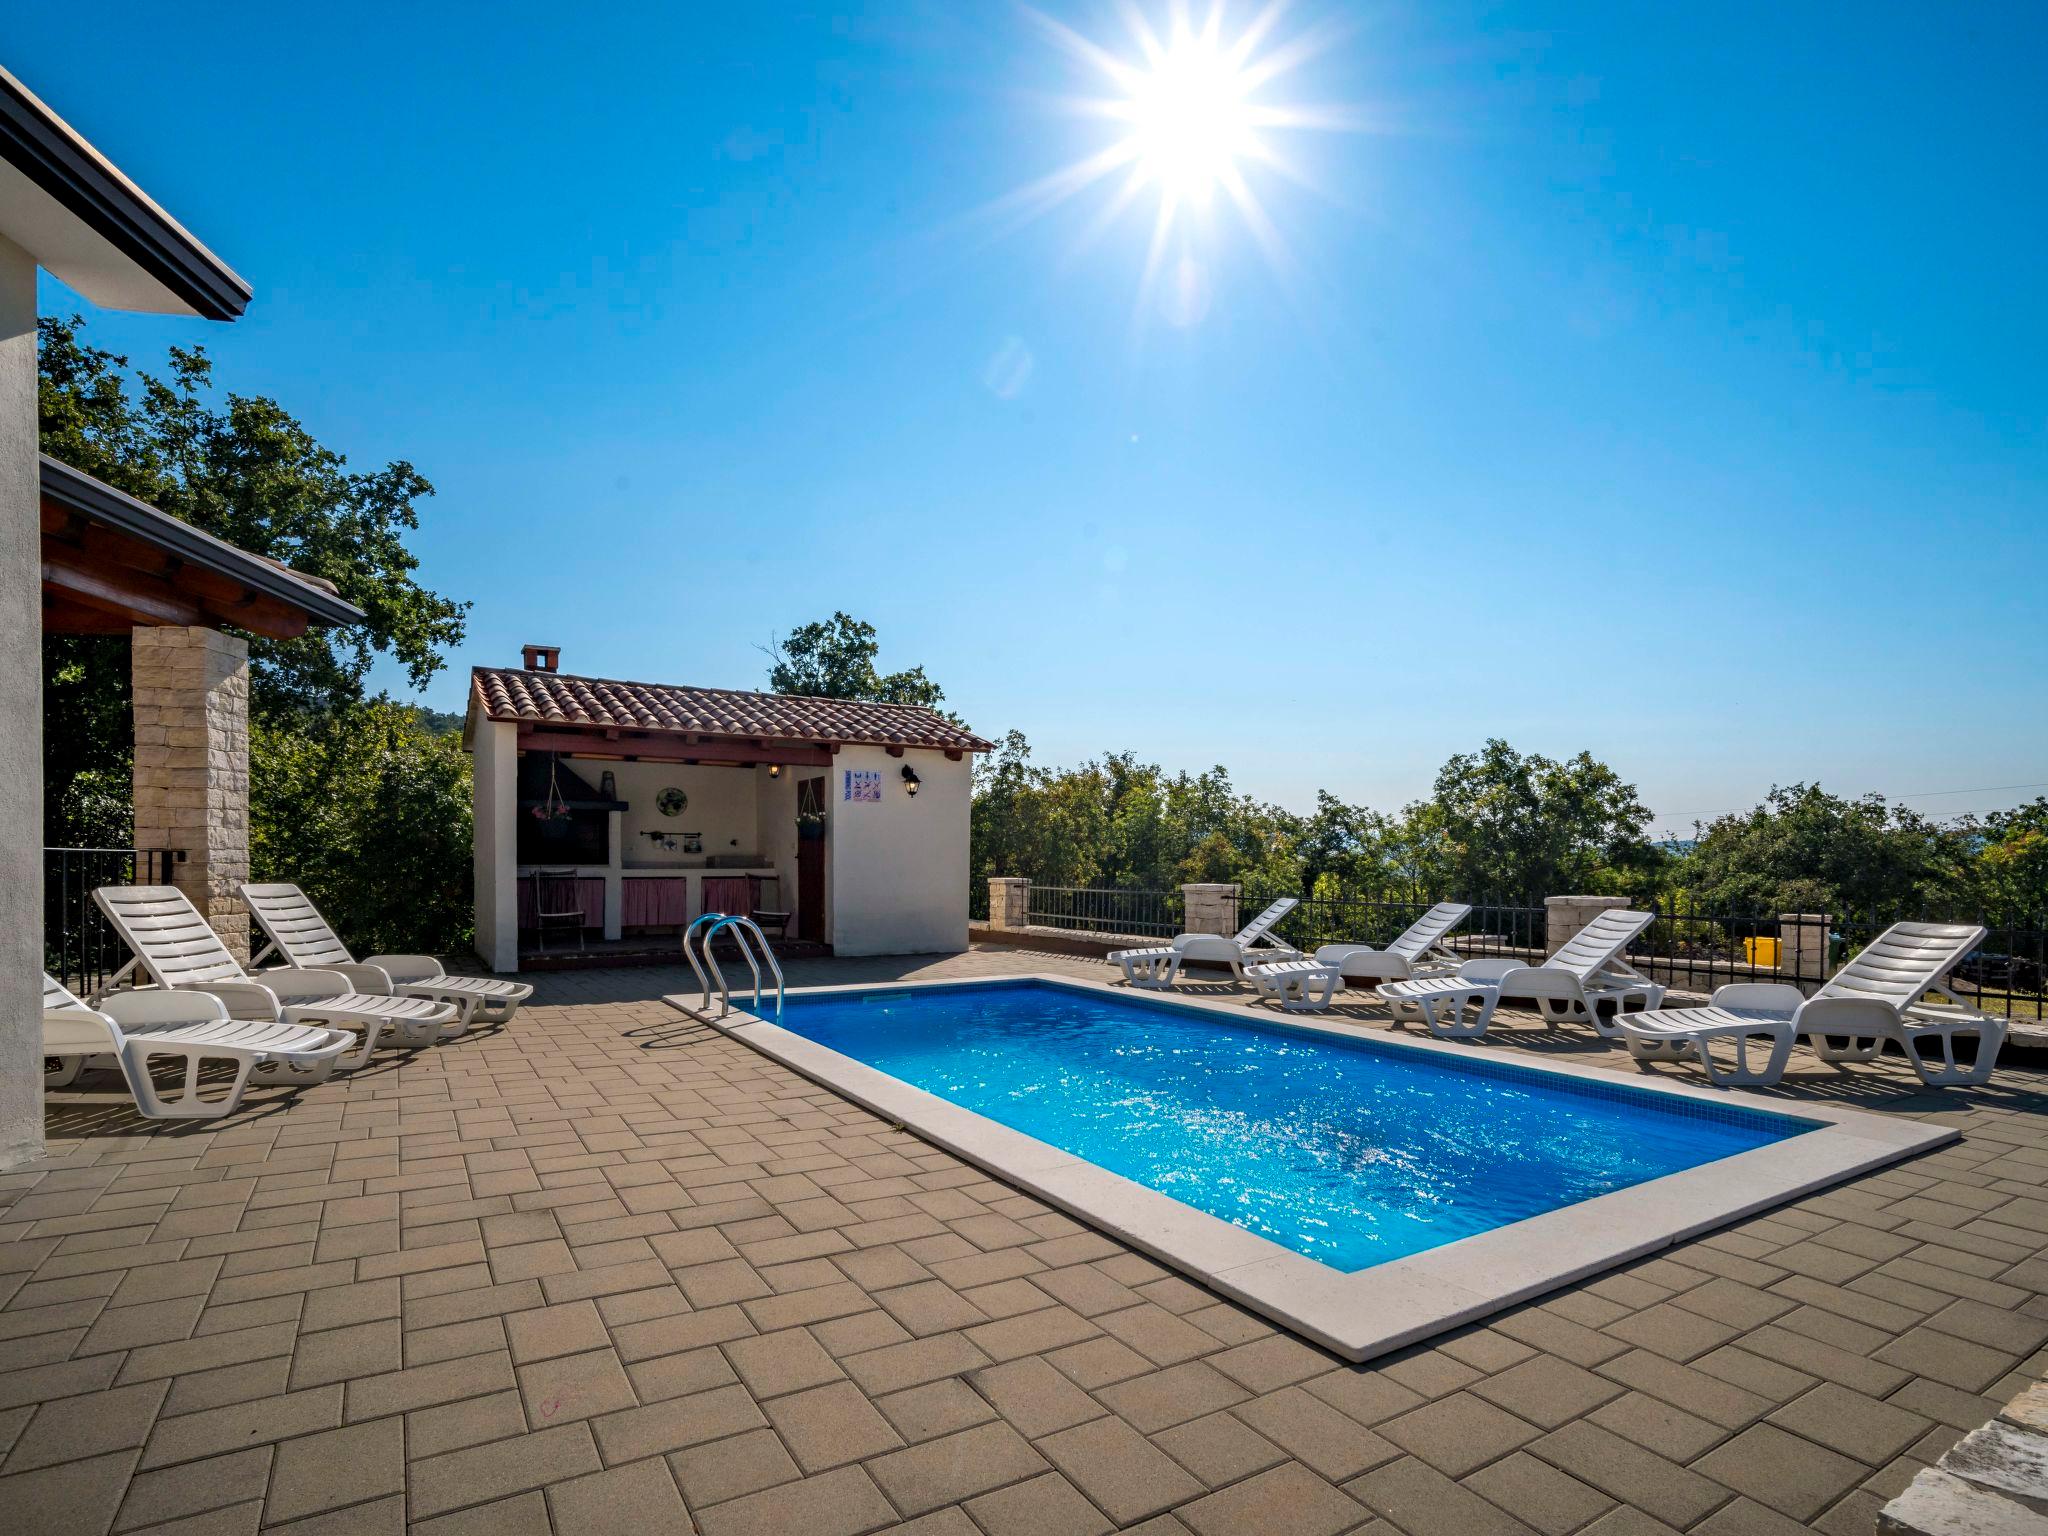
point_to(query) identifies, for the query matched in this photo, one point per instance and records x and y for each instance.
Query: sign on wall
(863, 784)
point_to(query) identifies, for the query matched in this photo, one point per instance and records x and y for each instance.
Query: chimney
(541, 658)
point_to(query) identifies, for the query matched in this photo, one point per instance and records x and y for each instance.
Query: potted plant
(810, 815)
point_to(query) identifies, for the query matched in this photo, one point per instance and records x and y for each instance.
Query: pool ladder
(748, 935)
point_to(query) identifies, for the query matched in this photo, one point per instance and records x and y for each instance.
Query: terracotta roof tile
(558, 699)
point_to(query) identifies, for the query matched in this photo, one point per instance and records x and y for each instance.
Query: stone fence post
(1803, 945)
(1564, 916)
(191, 776)
(1209, 909)
(1009, 902)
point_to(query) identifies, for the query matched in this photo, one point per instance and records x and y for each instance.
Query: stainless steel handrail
(741, 927)
(703, 980)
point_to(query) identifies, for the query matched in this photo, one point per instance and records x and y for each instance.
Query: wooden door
(810, 867)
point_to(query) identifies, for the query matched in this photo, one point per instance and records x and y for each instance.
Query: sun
(1194, 111)
(1190, 117)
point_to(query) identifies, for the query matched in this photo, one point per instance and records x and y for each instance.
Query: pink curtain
(590, 896)
(653, 902)
(730, 894)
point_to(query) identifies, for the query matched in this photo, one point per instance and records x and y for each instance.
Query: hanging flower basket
(553, 807)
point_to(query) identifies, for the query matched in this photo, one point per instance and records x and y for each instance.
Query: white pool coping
(1387, 1306)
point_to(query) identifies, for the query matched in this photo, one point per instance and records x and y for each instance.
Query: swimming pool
(1365, 1191)
(1342, 1150)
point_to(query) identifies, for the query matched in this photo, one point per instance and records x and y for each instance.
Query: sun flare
(1190, 120)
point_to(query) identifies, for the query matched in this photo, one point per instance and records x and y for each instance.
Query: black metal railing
(1496, 926)
(1092, 909)
(80, 947)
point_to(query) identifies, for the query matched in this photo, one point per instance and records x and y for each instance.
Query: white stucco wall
(21, 706)
(897, 867)
(496, 789)
(722, 808)
(775, 829)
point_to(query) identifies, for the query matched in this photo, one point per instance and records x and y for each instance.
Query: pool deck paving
(607, 1269)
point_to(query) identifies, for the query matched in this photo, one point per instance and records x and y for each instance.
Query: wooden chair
(558, 901)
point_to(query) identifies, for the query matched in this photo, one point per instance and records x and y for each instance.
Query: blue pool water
(1349, 1152)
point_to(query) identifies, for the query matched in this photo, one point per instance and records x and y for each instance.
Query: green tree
(1500, 821)
(244, 469)
(1806, 850)
(367, 809)
(2012, 858)
(835, 659)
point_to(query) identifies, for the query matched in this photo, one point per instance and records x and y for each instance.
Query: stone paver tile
(75, 1498)
(74, 1428)
(955, 1467)
(669, 1335)
(198, 1486)
(1266, 1365)
(680, 1374)
(929, 1306)
(1160, 1399)
(235, 1428)
(625, 1501)
(1031, 1333)
(571, 1387)
(453, 1341)
(1688, 1387)
(828, 1426)
(1783, 1471)
(815, 1305)
(840, 1503)
(1673, 1332)
(728, 1469)
(1312, 1432)
(675, 1424)
(544, 1332)
(1871, 1377)
(159, 1322)
(1219, 1449)
(719, 1282)
(1945, 1358)
(1156, 1333)
(421, 1386)
(1742, 1517)
(1289, 1498)
(456, 1426)
(340, 1354)
(1657, 1487)
(1365, 1395)
(1538, 1494)
(341, 1466)
(934, 1409)
(1656, 1426)
(486, 1472)
(524, 1514)
(529, 1261)
(1098, 1362)
(1034, 1397)
(1044, 1506)
(1845, 1421)
(1546, 1390)
(199, 1354)
(1123, 1472)
(774, 1363)
(896, 1366)
(1423, 1502)
(1458, 1433)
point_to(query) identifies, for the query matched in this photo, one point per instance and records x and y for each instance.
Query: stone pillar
(1209, 909)
(21, 710)
(1009, 902)
(1564, 916)
(1803, 946)
(192, 766)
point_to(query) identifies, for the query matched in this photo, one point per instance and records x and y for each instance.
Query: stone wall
(192, 766)
(1009, 902)
(1564, 916)
(1209, 908)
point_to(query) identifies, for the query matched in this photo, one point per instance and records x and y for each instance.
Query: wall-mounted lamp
(775, 770)
(910, 778)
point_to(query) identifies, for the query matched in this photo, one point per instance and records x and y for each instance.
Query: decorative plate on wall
(671, 802)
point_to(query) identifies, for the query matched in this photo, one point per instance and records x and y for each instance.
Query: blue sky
(1663, 383)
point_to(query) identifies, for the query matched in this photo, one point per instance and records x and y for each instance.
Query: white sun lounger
(1569, 987)
(298, 933)
(1308, 986)
(180, 952)
(1159, 967)
(1880, 995)
(132, 1029)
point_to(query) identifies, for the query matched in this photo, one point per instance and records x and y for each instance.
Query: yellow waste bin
(1761, 953)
